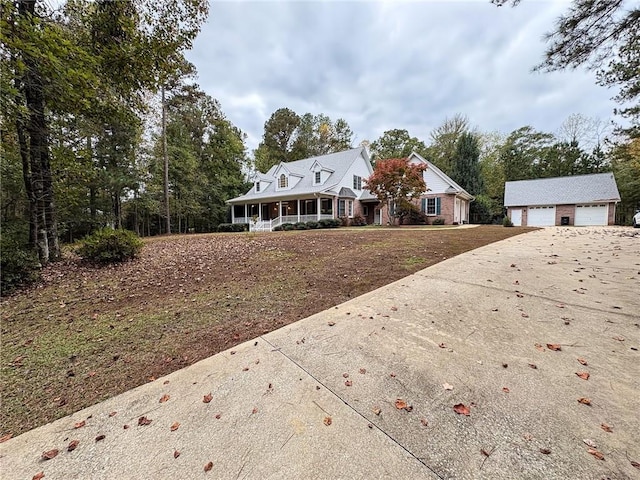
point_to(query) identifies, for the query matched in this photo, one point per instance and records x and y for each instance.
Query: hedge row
(233, 227)
(324, 223)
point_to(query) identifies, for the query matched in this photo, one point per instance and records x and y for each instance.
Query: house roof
(453, 188)
(597, 187)
(336, 164)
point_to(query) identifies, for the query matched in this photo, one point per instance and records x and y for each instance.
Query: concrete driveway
(512, 336)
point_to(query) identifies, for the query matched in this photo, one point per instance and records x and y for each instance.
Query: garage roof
(597, 187)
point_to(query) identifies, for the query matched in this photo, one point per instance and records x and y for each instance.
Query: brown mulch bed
(85, 334)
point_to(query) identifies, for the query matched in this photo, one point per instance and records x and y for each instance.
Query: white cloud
(383, 65)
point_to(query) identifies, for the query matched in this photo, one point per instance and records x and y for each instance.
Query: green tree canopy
(396, 143)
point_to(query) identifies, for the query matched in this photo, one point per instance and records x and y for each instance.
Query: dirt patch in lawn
(86, 334)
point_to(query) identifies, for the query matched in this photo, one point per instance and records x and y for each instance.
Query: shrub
(225, 227)
(19, 265)
(300, 226)
(325, 223)
(288, 226)
(438, 221)
(109, 246)
(335, 222)
(277, 228)
(358, 221)
(506, 222)
(233, 227)
(312, 224)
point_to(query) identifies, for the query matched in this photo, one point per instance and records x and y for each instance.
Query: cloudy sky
(385, 65)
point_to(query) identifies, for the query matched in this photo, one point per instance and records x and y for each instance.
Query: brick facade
(565, 211)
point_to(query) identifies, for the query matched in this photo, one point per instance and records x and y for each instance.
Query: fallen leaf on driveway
(606, 428)
(175, 426)
(48, 455)
(72, 445)
(505, 389)
(447, 386)
(80, 424)
(208, 466)
(38, 476)
(560, 305)
(362, 371)
(618, 338)
(377, 411)
(583, 375)
(164, 398)
(533, 365)
(400, 404)
(394, 309)
(635, 464)
(442, 345)
(582, 361)
(539, 347)
(556, 347)
(327, 421)
(546, 451)
(331, 324)
(99, 438)
(424, 422)
(596, 453)
(113, 414)
(584, 401)
(207, 398)
(348, 383)
(143, 421)
(176, 454)
(461, 409)
(589, 443)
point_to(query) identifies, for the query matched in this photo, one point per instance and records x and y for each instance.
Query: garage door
(541, 216)
(596, 214)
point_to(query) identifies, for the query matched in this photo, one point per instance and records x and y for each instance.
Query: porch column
(233, 217)
(280, 209)
(245, 213)
(298, 210)
(318, 201)
(260, 211)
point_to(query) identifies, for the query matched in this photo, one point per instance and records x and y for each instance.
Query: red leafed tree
(396, 181)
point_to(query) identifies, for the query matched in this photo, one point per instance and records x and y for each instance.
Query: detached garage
(575, 200)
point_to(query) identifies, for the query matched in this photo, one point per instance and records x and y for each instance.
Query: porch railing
(268, 225)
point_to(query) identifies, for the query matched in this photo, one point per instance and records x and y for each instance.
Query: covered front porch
(264, 216)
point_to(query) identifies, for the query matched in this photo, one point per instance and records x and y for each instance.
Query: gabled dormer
(260, 183)
(284, 178)
(320, 173)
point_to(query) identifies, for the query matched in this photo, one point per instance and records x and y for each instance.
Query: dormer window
(283, 181)
(318, 178)
(257, 186)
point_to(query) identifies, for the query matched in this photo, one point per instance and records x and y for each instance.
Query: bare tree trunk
(165, 157)
(26, 175)
(38, 179)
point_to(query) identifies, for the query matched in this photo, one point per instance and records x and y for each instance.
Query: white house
(327, 186)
